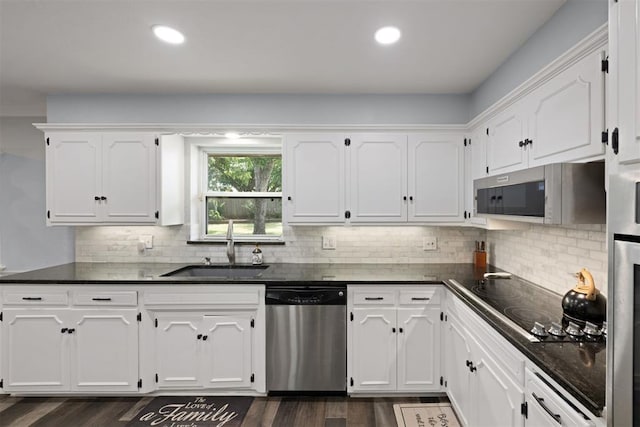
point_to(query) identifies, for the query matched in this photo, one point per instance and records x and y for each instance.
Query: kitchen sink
(218, 271)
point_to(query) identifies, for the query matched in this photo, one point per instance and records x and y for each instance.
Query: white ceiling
(259, 46)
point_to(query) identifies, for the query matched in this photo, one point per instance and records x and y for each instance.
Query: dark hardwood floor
(264, 411)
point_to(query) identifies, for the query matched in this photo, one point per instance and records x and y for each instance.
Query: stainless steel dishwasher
(306, 339)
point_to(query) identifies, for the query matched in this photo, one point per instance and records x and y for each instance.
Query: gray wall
(26, 243)
(259, 109)
(572, 22)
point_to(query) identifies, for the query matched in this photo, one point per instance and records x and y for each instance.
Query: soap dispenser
(256, 256)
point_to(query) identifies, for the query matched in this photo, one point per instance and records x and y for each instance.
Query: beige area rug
(425, 415)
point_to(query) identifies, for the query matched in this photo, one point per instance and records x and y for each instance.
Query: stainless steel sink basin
(218, 271)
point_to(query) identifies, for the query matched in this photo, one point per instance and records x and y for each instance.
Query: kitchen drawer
(35, 298)
(420, 297)
(101, 298)
(374, 297)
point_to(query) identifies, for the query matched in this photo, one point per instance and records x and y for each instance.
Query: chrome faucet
(231, 251)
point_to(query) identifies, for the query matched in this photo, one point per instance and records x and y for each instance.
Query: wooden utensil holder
(480, 259)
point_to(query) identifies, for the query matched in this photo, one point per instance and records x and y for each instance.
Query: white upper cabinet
(128, 177)
(560, 121)
(374, 178)
(315, 176)
(435, 177)
(505, 140)
(74, 178)
(378, 178)
(113, 178)
(567, 114)
(624, 47)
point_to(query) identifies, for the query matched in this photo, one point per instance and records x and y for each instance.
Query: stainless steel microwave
(560, 193)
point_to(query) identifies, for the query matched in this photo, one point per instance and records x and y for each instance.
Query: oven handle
(540, 401)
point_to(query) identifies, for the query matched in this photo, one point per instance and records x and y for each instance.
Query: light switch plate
(147, 240)
(429, 243)
(329, 242)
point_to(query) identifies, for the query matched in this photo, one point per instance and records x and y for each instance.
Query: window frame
(239, 151)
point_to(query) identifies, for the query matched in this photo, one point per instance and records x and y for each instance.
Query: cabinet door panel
(496, 398)
(378, 180)
(418, 344)
(104, 354)
(457, 353)
(178, 351)
(315, 177)
(504, 153)
(627, 69)
(567, 116)
(436, 176)
(129, 177)
(374, 349)
(36, 354)
(74, 177)
(228, 351)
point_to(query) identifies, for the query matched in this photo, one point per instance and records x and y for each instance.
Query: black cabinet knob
(473, 368)
(400, 330)
(411, 198)
(521, 144)
(468, 363)
(404, 198)
(289, 198)
(393, 330)
(96, 198)
(70, 331)
(204, 337)
(103, 198)
(63, 330)
(199, 336)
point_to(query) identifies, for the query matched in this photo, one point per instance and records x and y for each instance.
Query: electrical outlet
(329, 242)
(429, 243)
(147, 240)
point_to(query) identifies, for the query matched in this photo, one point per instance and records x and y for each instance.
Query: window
(244, 186)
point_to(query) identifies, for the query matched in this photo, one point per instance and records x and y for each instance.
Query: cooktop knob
(539, 330)
(556, 329)
(574, 330)
(592, 329)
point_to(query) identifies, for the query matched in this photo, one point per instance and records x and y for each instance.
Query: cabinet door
(567, 114)
(506, 132)
(104, 350)
(74, 177)
(314, 172)
(496, 399)
(626, 66)
(475, 160)
(378, 178)
(436, 177)
(129, 177)
(228, 350)
(178, 350)
(419, 349)
(456, 356)
(373, 349)
(36, 350)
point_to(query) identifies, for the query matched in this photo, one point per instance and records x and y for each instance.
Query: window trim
(249, 149)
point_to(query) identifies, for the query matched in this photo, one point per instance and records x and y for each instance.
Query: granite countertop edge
(154, 271)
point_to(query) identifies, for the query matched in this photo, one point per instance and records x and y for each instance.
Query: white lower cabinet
(70, 350)
(393, 339)
(483, 389)
(204, 351)
(546, 408)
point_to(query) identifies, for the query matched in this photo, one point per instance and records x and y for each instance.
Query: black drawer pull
(199, 337)
(373, 298)
(420, 299)
(64, 330)
(32, 298)
(101, 299)
(546, 409)
(70, 331)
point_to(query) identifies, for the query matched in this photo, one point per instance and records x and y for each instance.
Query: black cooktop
(524, 304)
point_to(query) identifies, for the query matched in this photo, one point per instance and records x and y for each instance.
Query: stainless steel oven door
(623, 364)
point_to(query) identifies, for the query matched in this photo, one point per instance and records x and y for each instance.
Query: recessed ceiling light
(387, 35)
(168, 34)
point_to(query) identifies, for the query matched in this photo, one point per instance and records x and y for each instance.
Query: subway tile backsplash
(548, 256)
(542, 254)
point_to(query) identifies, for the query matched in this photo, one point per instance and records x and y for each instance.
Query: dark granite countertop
(576, 368)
